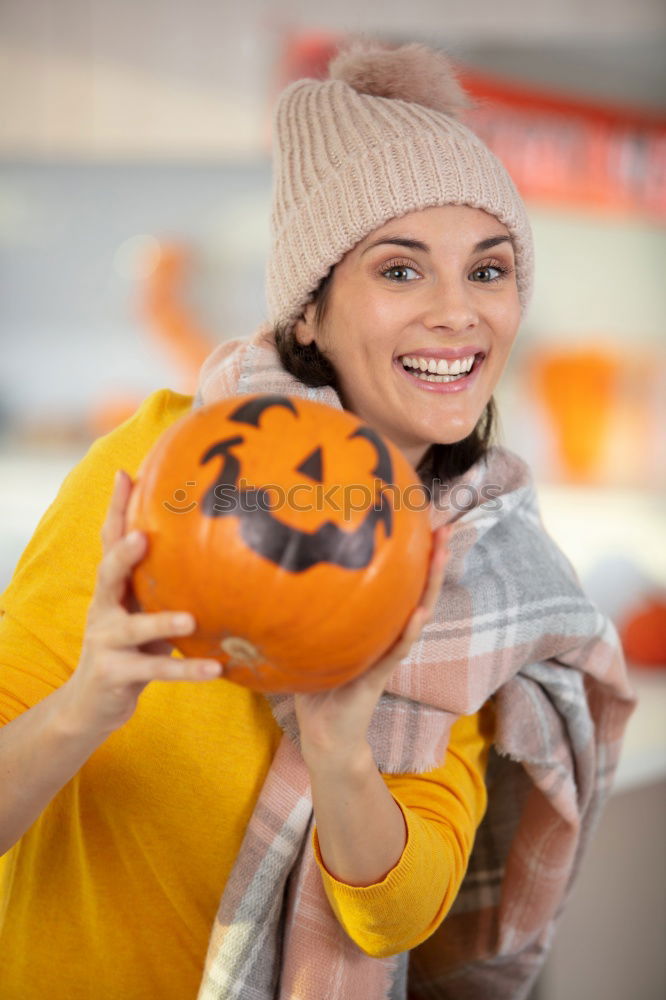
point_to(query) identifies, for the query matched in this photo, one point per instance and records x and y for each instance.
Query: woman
(337, 827)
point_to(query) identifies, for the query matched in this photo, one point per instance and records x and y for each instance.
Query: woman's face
(422, 290)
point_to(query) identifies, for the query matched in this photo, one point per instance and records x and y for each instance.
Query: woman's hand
(334, 724)
(124, 649)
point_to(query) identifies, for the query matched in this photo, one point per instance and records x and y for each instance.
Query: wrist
(68, 721)
(350, 760)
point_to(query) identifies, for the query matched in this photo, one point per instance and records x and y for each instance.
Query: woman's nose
(451, 306)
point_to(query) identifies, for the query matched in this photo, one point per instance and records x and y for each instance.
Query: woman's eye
(500, 272)
(400, 272)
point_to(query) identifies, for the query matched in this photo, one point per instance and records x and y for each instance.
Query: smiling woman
(211, 841)
(389, 317)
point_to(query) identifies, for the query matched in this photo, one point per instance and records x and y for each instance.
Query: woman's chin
(453, 433)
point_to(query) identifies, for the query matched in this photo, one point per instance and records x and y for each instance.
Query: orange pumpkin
(643, 633)
(296, 535)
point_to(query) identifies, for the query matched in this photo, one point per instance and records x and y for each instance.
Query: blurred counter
(643, 758)
(595, 525)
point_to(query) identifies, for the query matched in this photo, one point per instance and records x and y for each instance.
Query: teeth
(441, 367)
(429, 377)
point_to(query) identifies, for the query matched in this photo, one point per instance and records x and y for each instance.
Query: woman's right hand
(123, 648)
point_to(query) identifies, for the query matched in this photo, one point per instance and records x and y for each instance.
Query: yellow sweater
(112, 892)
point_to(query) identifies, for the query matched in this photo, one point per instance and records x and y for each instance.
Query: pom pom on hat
(412, 73)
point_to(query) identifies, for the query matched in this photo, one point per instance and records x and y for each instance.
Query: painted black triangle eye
(312, 466)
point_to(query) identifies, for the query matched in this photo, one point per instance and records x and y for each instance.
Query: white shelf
(591, 524)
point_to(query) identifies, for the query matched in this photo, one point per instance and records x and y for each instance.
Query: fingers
(142, 668)
(124, 648)
(122, 630)
(376, 677)
(114, 628)
(146, 656)
(115, 568)
(114, 525)
(411, 633)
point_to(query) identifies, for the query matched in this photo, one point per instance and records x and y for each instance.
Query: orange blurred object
(644, 634)
(307, 54)
(184, 338)
(578, 389)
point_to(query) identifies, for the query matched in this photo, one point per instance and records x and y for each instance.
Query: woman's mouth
(433, 372)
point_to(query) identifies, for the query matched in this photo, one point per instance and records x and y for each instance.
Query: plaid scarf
(511, 622)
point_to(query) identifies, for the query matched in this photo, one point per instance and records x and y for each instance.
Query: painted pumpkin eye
(312, 466)
(299, 572)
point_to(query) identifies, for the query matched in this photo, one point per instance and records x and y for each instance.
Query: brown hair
(444, 462)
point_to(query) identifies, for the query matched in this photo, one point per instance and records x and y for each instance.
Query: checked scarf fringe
(511, 623)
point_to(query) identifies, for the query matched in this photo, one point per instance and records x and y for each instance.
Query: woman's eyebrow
(402, 241)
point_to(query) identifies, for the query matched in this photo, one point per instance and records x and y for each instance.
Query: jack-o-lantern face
(289, 546)
(306, 547)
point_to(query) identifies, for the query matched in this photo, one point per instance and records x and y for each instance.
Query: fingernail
(211, 669)
(183, 620)
(133, 538)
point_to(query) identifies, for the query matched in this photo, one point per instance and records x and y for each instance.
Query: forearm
(39, 753)
(360, 827)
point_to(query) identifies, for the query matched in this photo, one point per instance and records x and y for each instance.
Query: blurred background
(134, 204)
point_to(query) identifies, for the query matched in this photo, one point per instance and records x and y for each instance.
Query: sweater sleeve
(442, 810)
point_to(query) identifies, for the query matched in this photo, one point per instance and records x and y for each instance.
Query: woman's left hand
(334, 724)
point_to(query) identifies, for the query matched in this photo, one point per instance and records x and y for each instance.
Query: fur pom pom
(410, 73)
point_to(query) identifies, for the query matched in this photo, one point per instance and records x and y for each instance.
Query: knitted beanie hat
(378, 139)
